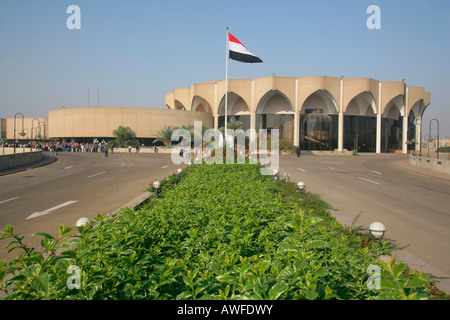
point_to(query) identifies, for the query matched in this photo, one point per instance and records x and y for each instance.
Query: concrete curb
(133, 203)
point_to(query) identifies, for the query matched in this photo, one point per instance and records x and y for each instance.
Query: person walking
(299, 151)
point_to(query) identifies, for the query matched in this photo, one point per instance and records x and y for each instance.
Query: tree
(124, 137)
(233, 124)
(165, 136)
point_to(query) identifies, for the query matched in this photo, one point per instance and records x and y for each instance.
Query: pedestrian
(106, 151)
(129, 149)
(299, 151)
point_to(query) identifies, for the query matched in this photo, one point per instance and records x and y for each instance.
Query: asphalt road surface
(415, 208)
(76, 185)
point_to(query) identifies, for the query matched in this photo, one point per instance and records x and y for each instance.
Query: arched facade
(317, 113)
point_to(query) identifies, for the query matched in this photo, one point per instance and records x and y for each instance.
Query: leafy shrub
(224, 232)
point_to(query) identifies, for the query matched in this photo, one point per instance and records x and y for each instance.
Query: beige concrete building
(101, 122)
(317, 113)
(88, 123)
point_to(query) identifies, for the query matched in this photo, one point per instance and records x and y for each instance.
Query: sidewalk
(406, 165)
(45, 161)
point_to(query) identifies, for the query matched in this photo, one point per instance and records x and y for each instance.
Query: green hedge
(222, 232)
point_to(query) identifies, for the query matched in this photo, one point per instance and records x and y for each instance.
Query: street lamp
(301, 186)
(156, 185)
(83, 222)
(437, 144)
(377, 230)
(20, 133)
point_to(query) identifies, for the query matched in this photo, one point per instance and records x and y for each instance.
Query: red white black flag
(238, 52)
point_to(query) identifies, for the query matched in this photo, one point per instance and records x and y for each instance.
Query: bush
(224, 232)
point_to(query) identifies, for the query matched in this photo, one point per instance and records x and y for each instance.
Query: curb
(133, 203)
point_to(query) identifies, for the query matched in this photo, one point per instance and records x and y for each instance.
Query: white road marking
(369, 180)
(301, 169)
(68, 167)
(42, 213)
(93, 175)
(9, 200)
(164, 167)
(330, 167)
(376, 172)
(123, 163)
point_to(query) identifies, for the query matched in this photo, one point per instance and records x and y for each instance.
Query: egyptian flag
(239, 52)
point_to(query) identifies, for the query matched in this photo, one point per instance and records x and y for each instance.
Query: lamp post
(42, 123)
(156, 185)
(301, 186)
(437, 144)
(377, 230)
(32, 126)
(20, 133)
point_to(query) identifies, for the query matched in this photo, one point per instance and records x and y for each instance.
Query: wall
(101, 122)
(11, 161)
(436, 165)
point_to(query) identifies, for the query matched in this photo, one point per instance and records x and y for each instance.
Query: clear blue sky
(136, 51)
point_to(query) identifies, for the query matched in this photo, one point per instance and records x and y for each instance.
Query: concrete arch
(394, 108)
(178, 105)
(418, 108)
(236, 105)
(201, 105)
(415, 95)
(362, 104)
(274, 102)
(320, 99)
(327, 88)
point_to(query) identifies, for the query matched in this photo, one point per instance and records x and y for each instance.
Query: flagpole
(226, 87)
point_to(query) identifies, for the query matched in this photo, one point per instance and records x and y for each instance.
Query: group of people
(75, 146)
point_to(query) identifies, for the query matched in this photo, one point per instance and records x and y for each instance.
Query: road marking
(123, 163)
(9, 200)
(330, 167)
(376, 172)
(301, 169)
(164, 167)
(93, 175)
(369, 180)
(68, 167)
(42, 213)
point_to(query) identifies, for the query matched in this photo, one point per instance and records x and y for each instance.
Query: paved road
(77, 185)
(413, 207)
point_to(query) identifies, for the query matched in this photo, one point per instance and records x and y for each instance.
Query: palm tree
(233, 124)
(124, 137)
(165, 136)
